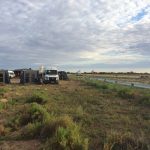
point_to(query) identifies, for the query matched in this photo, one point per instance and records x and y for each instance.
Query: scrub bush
(126, 94)
(123, 142)
(38, 97)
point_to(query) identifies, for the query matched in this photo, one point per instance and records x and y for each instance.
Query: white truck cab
(51, 75)
(11, 74)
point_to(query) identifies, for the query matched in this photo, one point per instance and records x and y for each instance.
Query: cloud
(74, 32)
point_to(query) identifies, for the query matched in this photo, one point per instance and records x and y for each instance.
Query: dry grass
(97, 110)
(2, 130)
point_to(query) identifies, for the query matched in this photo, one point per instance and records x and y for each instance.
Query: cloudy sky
(102, 35)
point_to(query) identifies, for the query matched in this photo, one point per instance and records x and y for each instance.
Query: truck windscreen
(51, 72)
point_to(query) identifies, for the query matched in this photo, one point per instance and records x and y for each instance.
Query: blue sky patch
(140, 15)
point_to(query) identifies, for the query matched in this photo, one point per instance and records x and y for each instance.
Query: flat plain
(98, 116)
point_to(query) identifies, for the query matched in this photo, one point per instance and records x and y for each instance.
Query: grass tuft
(31, 113)
(145, 100)
(96, 84)
(117, 141)
(126, 94)
(2, 130)
(2, 106)
(31, 130)
(37, 97)
(65, 134)
(2, 92)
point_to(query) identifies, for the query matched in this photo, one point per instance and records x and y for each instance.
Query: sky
(99, 35)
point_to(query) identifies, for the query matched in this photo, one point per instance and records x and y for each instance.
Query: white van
(51, 76)
(11, 74)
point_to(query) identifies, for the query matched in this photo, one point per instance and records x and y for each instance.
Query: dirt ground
(19, 145)
(98, 111)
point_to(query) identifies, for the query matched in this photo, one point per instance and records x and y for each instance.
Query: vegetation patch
(64, 135)
(126, 94)
(2, 105)
(145, 100)
(96, 84)
(31, 113)
(37, 97)
(120, 91)
(31, 130)
(123, 142)
(2, 130)
(2, 92)
(51, 126)
(95, 110)
(60, 133)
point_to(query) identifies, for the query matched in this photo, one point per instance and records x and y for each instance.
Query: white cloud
(73, 31)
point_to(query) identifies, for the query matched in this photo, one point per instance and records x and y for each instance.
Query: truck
(63, 75)
(39, 76)
(50, 76)
(11, 74)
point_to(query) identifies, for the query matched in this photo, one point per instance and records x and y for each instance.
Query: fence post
(4, 78)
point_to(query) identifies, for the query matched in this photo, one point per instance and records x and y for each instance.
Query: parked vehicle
(11, 74)
(63, 75)
(4, 76)
(51, 76)
(40, 76)
(29, 76)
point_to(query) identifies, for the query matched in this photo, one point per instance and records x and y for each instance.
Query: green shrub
(14, 122)
(60, 133)
(145, 100)
(51, 126)
(38, 97)
(31, 113)
(96, 84)
(79, 111)
(34, 113)
(1, 106)
(123, 142)
(31, 130)
(12, 101)
(126, 94)
(66, 136)
(2, 91)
